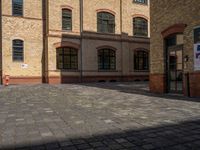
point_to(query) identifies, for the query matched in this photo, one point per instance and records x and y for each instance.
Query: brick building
(174, 58)
(59, 41)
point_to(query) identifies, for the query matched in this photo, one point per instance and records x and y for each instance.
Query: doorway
(175, 69)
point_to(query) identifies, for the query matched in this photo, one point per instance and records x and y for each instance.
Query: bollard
(7, 78)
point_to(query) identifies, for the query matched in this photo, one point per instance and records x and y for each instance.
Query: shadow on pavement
(139, 88)
(180, 136)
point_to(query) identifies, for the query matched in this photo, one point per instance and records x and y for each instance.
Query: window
(18, 50)
(106, 59)
(67, 58)
(17, 7)
(171, 41)
(66, 19)
(105, 22)
(141, 60)
(197, 35)
(141, 1)
(140, 26)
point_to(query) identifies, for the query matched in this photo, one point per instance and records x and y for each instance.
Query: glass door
(175, 70)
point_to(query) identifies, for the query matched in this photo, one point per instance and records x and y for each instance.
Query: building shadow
(139, 88)
(180, 136)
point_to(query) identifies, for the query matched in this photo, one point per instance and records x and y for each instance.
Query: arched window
(141, 60)
(18, 50)
(105, 22)
(17, 7)
(140, 26)
(106, 59)
(67, 58)
(66, 19)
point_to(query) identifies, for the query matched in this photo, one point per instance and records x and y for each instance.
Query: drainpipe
(1, 66)
(121, 27)
(81, 40)
(45, 16)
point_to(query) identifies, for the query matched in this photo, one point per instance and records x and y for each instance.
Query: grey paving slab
(96, 116)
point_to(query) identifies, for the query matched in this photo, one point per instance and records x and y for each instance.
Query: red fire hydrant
(7, 78)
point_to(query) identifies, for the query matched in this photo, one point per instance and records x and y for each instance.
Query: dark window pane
(170, 41)
(141, 60)
(105, 22)
(18, 50)
(197, 35)
(67, 58)
(140, 26)
(66, 19)
(106, 59)
(17, 7)
(141, 1)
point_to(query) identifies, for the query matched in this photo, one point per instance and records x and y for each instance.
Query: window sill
(108, 71)
(67, 70)
(140, 36)
(18, 61)
(141, 71)
(105, 33)
(18, 16)
(66, 30)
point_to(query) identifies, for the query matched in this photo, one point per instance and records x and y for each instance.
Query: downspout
(81, 40)
(45, 16)
(1, 65)
(121, 28)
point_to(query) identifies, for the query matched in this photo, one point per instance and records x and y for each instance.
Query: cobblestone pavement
(98, 116)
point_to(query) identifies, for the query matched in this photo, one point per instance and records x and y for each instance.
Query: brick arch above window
(106, 47)
(67, 44)
(140, 16)
(106, 10)
(141, 49)
(174, 29)
(17, 38)
(66, 7)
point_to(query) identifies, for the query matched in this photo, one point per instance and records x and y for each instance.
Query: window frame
(64, 55)
(110, 57)
(137, 29)
(138, 59)
(102, 19)
(70, 20)
(14, 51)
(22, 9)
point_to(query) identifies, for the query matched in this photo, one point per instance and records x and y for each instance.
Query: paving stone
(96, 116)
(97, 144)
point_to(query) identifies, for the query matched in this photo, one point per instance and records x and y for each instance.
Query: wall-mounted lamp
(186, 58)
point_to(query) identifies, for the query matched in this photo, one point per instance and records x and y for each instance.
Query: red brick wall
(157, 83)
(64, 79)
(76, 79)
(24, 80)
(195, 84)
